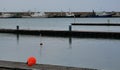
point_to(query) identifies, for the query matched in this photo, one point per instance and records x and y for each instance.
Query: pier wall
(83, 34)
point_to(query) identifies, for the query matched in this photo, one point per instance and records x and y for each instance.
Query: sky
(59, 5)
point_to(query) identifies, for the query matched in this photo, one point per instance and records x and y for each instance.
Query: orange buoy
(31, 61)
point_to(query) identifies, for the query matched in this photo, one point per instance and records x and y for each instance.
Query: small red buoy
(31, 61)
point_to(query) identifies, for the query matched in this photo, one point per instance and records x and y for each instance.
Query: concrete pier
(9, 65)
(95, 24)
(82, 34)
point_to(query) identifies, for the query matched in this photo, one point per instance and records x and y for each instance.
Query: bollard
(17, 31)
(70, 28)
(17, 27)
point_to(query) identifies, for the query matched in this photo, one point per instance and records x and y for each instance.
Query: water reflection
(70, 42)
(80, 52)
(17, 38)
(41, 46)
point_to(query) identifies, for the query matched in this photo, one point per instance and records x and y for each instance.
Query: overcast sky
(58, 5)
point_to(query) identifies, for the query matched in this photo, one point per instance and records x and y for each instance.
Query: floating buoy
(41, 43)
(31, 61)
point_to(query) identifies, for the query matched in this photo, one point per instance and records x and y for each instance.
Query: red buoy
(31, 61)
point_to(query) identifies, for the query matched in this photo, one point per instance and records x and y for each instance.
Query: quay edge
(10, 65)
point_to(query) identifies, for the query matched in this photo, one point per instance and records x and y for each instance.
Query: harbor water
(59, 23)
(76, 52)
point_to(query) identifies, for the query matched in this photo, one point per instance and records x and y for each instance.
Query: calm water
(77, 52)
(58, 23)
